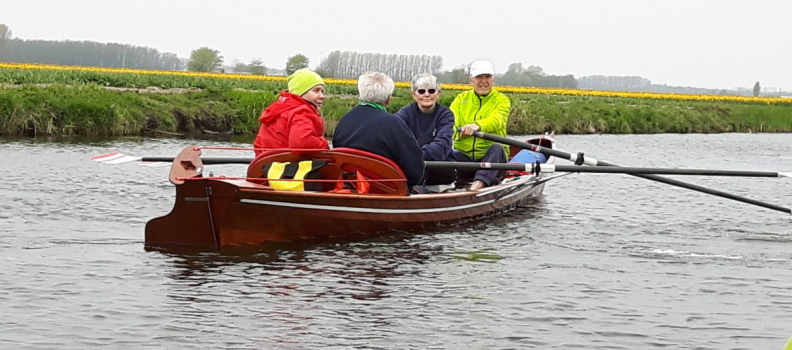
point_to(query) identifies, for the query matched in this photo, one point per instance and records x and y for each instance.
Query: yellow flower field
(509, 89)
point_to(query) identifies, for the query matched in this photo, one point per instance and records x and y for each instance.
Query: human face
(315, 95)
(482, 84)
(426, 97)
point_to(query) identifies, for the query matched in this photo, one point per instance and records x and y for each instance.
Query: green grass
(38, 102)
(585, 115)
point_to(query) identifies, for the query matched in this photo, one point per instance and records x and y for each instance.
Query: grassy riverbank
(86, 102)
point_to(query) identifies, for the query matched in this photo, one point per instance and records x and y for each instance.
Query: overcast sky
(702, 43)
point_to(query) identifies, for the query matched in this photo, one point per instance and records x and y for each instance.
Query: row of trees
(205, 59)
(83, 53)
(636, 83)
(87, 53)
(350, 65)
(602, 82)
(535, 76)
(255, 67)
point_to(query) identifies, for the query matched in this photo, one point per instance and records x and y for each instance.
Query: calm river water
(601, 262)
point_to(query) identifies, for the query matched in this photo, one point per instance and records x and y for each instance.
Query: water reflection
(308, 271)
(293, 290)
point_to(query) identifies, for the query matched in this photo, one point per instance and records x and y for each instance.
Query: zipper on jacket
(474, 119)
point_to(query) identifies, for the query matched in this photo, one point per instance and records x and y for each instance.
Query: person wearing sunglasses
(432, 125)
(480, 109)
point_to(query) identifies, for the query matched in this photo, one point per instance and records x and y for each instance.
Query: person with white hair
(369, 127)
(480, 109)
(432, 125)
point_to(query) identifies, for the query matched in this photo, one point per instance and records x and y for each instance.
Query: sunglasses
(423, 91)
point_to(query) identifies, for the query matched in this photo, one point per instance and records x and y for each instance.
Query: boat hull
(219, 213)
(212, 213)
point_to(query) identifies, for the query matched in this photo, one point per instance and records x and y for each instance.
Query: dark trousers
(495, 154)
(439, 176)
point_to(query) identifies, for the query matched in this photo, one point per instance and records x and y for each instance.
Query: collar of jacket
(373, 104)
(488, 96)
(299, 99)
(307, 102)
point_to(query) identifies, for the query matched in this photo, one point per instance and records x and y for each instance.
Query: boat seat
(541, 141)
(372, 155)
(339, 161)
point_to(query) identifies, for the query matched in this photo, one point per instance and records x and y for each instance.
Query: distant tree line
(641, 84)
(535, 76)
(618, 83)
(515, 75)
(350, 65)
(458, 75)
(87, 53)
(83, 53)
(255, 67)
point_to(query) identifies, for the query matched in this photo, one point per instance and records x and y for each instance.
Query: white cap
(479, 67)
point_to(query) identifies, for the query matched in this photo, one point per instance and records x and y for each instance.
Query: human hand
(469, 129)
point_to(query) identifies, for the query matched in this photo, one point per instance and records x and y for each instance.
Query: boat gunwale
(247, 187)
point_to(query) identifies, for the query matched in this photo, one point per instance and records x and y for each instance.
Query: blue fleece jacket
(433, 131)
(379, 132)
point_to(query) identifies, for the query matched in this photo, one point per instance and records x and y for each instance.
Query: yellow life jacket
(304, 170)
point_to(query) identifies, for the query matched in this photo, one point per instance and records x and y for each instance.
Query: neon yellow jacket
(490, 112)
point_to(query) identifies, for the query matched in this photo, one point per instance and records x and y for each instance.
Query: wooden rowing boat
(215, 212)
(219, 212)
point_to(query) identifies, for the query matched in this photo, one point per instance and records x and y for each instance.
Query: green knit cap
(303, 80)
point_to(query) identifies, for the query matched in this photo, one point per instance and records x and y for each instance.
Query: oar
(535, 168)
(580, 159)
(205, 160)
(120, 158)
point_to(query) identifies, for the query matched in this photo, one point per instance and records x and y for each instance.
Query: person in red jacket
(294, 121)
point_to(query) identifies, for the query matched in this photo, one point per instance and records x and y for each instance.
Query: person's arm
(495, 122)
(441, 145)
(301, 132)
(455, 110)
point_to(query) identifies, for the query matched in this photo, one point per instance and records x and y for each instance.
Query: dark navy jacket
(433, 131)
(379, 132)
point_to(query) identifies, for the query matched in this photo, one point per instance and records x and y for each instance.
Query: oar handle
(578, 158)
(588, 161)
(536, 168)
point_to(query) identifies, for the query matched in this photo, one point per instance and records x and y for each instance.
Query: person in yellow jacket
(481, 109)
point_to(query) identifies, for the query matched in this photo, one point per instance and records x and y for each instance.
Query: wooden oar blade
(120, 158)
(114, 158)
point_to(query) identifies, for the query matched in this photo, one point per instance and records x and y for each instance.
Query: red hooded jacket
(291, 122)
